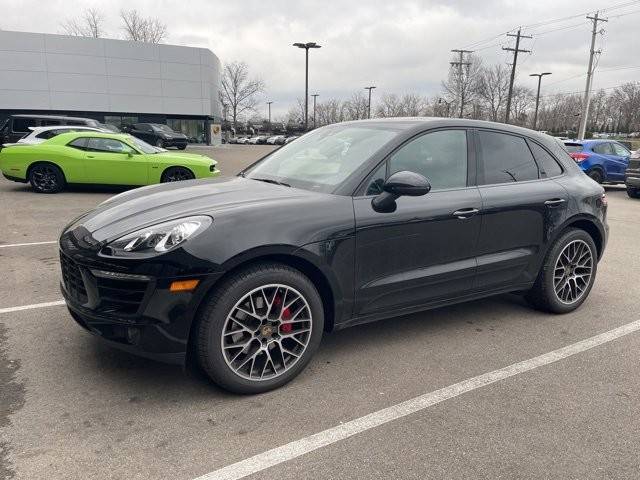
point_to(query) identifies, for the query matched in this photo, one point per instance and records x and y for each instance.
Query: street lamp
(315, 95)
(306, 47)
(539, 75)
(369, 107)
(269, 105)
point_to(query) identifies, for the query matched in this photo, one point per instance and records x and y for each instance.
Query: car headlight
(158, 239)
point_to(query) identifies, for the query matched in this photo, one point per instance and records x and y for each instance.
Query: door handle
(554, 202)
(465, 213)
(90, 156)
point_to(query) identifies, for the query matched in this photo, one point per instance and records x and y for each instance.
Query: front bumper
(131, 308)
(632, 178)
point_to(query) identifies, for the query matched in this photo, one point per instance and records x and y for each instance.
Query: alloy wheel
(44, 178)
(572, 272)
(266, 332)
(178, 175)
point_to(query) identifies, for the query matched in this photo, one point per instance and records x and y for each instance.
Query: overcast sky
(400, 46)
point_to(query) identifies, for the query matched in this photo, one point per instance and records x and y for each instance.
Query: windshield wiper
(268, 180)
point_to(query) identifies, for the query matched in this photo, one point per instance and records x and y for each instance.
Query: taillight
(579, 157)
(604, 199)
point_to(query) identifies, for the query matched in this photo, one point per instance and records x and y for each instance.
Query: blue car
(605, 161)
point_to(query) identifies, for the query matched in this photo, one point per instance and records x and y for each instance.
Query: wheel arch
(291, 257)
(591, 227)
(164, 170)
(45, 162)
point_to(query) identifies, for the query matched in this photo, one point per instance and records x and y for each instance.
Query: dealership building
(113, 81)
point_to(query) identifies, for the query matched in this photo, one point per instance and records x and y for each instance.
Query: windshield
(161, 128)
(573, 147)
(143, 146)
(323, 158)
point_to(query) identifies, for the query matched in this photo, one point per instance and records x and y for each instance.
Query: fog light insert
(183, 285)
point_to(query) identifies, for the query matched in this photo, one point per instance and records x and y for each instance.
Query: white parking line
(27, 244)
(32, 306)
(295, 449)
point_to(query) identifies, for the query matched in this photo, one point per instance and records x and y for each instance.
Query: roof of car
(93, 134)
(51, 117)
(59, 127)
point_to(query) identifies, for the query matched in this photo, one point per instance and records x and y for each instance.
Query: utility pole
(269, 105)
(369, 104)
(535, 115)
(315, 95)
(461, 63)
(587, 90)
(513, 68)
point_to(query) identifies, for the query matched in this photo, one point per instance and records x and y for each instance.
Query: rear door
(521, 206)
(112, 162)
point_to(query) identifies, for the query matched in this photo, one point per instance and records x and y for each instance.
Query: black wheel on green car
(176, 174)
(46, 178)
(633, 192)
(260, 328)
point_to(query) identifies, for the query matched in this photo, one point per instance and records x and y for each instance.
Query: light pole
(306, 47)
(535, 115)
(315, 95)
(369, 105)
(269, 105)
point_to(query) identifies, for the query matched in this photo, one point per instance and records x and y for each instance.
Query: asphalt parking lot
(71, 408)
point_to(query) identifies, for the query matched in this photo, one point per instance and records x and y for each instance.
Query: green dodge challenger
(99, 158)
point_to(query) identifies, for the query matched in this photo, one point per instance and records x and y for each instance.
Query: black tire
(596, 175)
(633, 192)
(176, 174)
(211, 320)
(159, 143)
(543, 295)
(182, 147)
(46, 178)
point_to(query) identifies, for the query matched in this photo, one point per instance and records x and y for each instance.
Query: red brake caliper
(286, 315)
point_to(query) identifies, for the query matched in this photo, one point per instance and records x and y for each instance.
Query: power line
(590, 69)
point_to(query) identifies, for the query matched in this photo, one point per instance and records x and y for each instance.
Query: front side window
(108, 145)
(439, 156)
(620, 150)
(506, 159)
(548, 165)
(322, 159)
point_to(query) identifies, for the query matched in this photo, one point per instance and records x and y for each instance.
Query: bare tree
(142, 29)
(330, 111)
(492, 89)
(357, 107)
(89, 24)
(239, 91)
(409, 105)
(461, 85)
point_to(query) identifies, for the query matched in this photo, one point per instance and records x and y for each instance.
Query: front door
(521, 205)
(425, 250)
(619, 162)
(112, 162)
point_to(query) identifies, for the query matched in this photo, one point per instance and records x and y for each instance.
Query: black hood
(157, 203)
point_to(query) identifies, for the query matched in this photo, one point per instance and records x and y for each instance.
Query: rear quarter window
(573, 147)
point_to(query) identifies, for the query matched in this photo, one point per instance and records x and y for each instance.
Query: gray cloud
(400, 46)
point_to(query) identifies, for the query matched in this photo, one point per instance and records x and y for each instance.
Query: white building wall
(58, 72)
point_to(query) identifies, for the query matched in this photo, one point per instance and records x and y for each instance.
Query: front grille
(73, 281)
(120, 296)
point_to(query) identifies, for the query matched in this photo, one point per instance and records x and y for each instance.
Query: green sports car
(99, 158)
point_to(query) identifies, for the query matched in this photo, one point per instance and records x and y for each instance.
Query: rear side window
(21, 125)
(79, 143)
(506, 159)
(548, 165)
(52, 133)
(573, 147)
(108, 145)
(603, 149)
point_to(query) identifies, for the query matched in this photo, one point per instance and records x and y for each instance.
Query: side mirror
(400, 184)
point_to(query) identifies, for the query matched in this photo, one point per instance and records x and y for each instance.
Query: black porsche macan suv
(350, 223)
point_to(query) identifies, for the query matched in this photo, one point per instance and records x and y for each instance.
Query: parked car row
(263, 140)
(607, 161)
